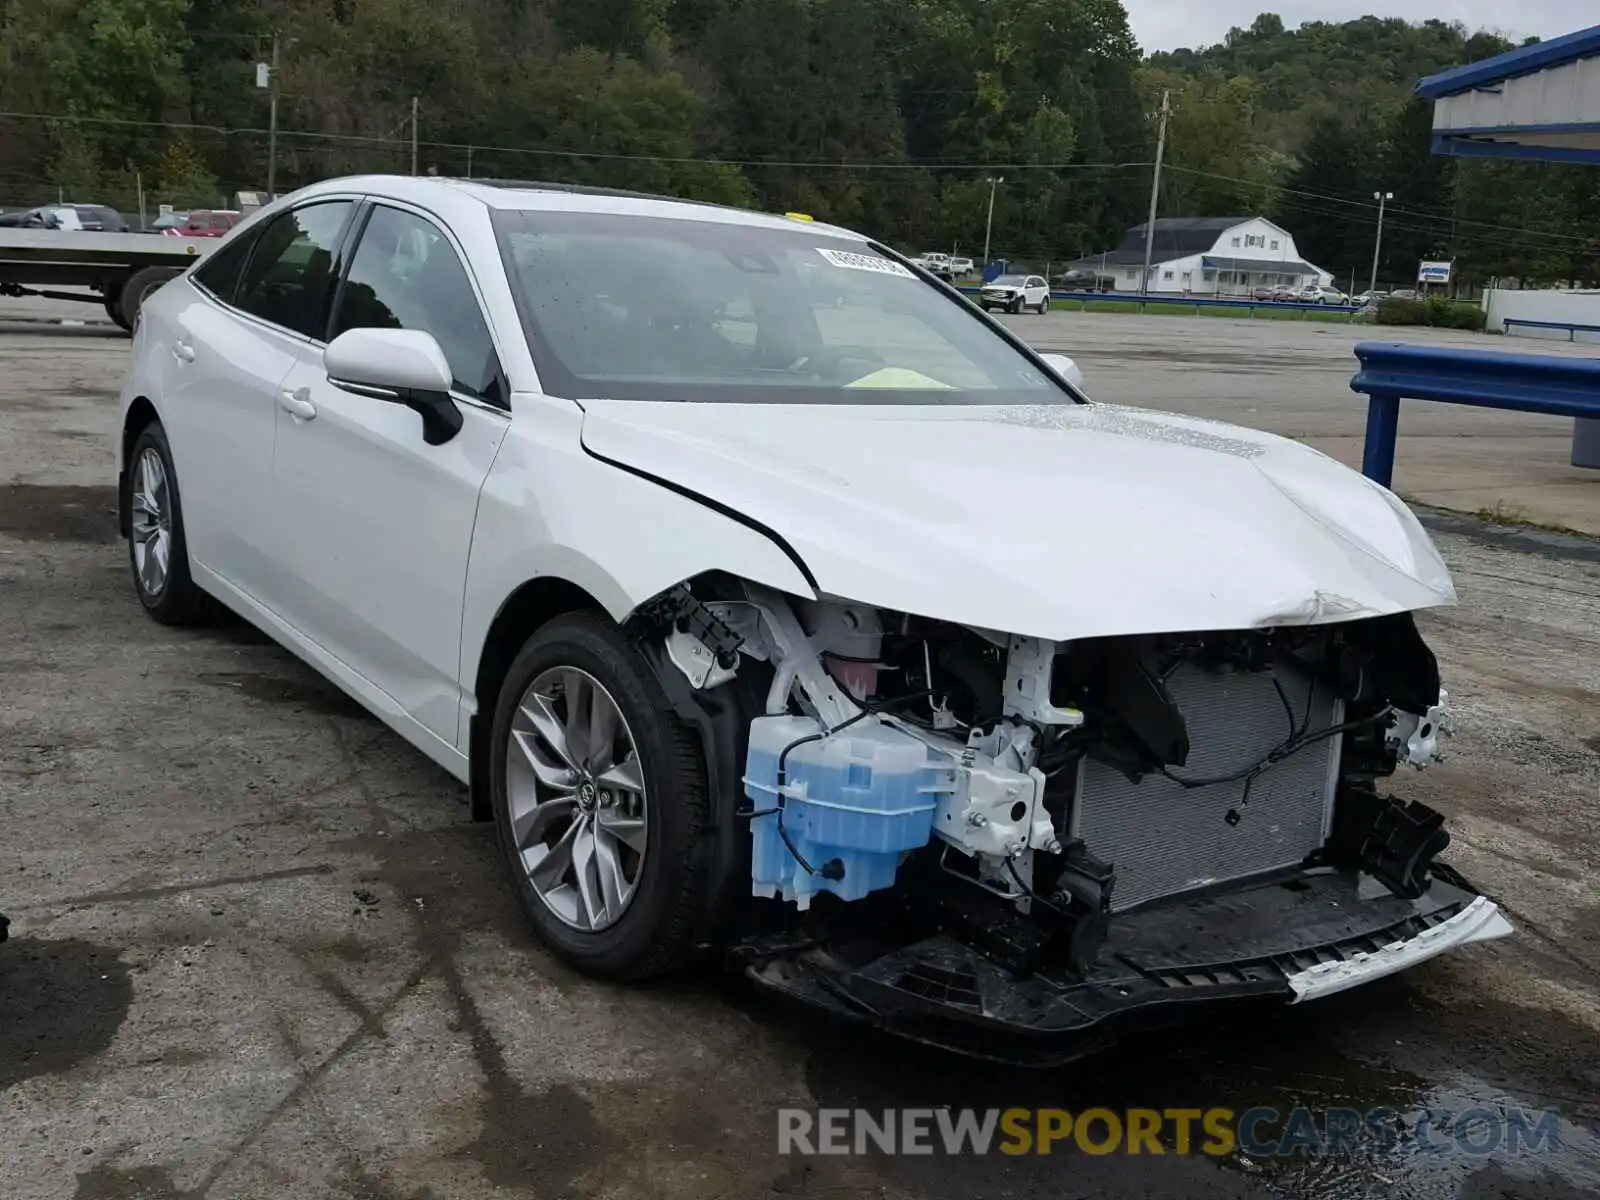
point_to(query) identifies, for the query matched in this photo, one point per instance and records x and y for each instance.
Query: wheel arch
(719, 721)
(140, 416)
(533, 603)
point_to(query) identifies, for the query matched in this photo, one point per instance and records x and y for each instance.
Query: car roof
(533, 195)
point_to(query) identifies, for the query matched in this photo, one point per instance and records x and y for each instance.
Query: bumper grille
(1164, 839)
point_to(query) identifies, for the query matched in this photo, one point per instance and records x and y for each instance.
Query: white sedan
(777, 604)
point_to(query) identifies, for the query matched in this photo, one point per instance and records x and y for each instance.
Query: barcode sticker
(864, 262)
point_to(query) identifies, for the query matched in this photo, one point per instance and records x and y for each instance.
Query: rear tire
(158, 553)
(654, 931)
(137, 290)
(114, 311)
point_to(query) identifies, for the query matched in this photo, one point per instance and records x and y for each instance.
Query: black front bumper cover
(1162, 964)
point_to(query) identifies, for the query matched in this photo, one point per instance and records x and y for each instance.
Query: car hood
(1060, 521)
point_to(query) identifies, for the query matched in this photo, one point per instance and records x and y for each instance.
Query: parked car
(1265, 291)
(1368, 298)
(94, 218)
(206, 223)
(1316, 294)
(936, 264)
(46, 216)
(712, 601)
(1083, 281)
(99, 218)
(962, 267)
(166, 221)
(1015, 293)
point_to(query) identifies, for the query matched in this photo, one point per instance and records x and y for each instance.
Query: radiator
(1163, 838)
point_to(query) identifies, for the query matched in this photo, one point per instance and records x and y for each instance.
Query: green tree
(1326, 201)
(75, 170)
(1220, 164)
(181, 178)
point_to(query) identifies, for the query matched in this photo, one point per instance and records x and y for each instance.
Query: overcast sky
(1168, 24)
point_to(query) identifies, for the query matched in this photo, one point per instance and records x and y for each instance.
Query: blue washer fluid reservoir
(853, 803)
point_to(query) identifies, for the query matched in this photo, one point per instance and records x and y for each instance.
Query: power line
(705, 160)
(1522, 240)
(1366, 205)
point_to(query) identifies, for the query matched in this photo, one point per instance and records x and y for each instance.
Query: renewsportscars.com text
(1262, 1132)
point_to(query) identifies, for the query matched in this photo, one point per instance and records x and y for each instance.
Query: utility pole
(989, 227)
(1155, 192)
(1382, 198)
(413, 135)
(272, 120)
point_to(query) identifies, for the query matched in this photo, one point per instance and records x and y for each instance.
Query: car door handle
(183, 352)
(296, 404)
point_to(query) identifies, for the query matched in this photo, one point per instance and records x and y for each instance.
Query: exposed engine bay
(949, 826)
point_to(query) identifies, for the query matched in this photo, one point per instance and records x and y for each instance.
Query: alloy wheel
(152, 522)
(577, 798)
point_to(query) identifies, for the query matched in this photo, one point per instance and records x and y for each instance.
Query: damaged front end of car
(1019, 848)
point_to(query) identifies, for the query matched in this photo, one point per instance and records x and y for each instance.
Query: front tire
(600, 802)
(158, 552)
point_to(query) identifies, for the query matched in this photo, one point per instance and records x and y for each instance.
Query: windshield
(1007, 281)
(660, 308)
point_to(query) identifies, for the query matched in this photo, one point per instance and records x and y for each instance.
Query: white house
(1208, 256)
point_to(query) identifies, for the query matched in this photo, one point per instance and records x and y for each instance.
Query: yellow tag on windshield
(903, 378)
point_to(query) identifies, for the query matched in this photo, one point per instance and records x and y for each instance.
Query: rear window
(662, 308)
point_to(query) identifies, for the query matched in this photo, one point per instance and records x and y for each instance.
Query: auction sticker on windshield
(863, 262)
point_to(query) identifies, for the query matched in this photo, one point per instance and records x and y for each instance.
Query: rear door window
(219, 273)
(288, 277)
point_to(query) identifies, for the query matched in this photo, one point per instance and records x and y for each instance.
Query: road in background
(1293, 378)
(31, 310)
(260, 951)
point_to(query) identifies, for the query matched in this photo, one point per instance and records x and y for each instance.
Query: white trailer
(121, 269)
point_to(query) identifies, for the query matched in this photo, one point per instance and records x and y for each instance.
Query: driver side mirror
(399, 366)
(1065, 368)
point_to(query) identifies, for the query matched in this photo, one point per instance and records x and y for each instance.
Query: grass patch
(1158, 308)
(1500, 514)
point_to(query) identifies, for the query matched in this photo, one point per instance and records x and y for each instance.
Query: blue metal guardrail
(1196, 302)
(1573, 330)
(1392, 371)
